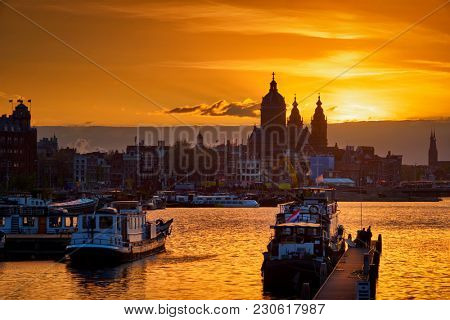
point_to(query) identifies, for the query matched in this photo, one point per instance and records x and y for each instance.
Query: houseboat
(307, 241)
(35, 232)
(116, 234)
(32, 228)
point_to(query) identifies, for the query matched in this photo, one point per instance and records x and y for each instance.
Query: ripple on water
(217, 254)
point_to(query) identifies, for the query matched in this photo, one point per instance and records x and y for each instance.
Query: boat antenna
(360, 197)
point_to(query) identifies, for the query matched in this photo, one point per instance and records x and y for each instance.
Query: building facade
(18, 149)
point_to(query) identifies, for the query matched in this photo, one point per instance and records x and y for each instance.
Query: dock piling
(323, 272)
(379, 243)
(373, 274)
(305, 294)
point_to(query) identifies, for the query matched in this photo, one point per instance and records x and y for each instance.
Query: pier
(355, 275)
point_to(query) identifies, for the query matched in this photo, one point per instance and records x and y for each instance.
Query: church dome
(273, 98)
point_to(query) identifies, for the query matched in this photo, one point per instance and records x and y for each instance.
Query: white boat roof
(72, 203)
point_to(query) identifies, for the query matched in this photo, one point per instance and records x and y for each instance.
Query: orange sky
(182, 54)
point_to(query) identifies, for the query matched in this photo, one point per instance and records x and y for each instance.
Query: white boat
(226, 201)
(117, 234)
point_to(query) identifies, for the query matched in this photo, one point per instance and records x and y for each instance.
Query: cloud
(222, 17)
(246, 108)
(331, 109)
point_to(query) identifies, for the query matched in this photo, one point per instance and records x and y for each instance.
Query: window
(2, 221)
(71, 222)
(28, 221)
(105, 222)
(89, 223)
(55, 222)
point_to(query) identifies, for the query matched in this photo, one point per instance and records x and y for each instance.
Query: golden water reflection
(217, 254)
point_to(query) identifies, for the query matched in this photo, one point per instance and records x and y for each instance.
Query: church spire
(273, 83)
(319, 103)
(295, 104)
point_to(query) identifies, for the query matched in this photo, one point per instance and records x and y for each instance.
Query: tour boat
(216, 200)
(117, 234)
(307, 241)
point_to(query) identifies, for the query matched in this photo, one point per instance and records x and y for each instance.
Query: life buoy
(313, 209)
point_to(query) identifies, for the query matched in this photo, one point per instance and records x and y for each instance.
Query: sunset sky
(211, 62)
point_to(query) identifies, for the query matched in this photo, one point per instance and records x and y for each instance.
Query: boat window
(118, 223)
(55, 222)
(89, 223)
(105, 222)
(2, 221)
(71, 222)
(28, 221)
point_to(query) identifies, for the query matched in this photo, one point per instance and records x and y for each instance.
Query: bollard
(373, 282)
(379, 245)
(366, 263)
(305, 294)
(323, 272)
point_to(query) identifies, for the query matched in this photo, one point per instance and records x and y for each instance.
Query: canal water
(217, 254)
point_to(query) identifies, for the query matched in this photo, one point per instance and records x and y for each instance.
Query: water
(217, 254)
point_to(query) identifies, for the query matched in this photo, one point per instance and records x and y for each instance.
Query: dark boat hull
(288, 276)
(90, 255)
(34, 246)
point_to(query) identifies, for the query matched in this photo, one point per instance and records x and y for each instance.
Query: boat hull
(99, 255)
(288, 275)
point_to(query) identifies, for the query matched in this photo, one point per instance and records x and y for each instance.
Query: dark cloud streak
(246, 108)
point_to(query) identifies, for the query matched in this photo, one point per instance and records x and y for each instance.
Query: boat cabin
(122, 223)
(16, 219)
(296, 241)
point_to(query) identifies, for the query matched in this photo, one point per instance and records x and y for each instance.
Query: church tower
(432, 151)
(318, 139)
(294, 126)
(273, 119)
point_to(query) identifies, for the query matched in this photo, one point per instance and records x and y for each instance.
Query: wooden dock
(355, 275)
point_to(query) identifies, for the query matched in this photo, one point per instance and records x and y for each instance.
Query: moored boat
(306, 244)
(116, 234)
(35, 229)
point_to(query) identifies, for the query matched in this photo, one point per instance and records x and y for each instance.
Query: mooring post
(323, 272)
(376, 258)
(305, 294)
(379, 244)
(366, 263)
(373, 281)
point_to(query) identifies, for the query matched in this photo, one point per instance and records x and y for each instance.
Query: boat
(117, 234)
(220, 200)
(306, 244)
(35, 232)
(33, 228)
(154, 203)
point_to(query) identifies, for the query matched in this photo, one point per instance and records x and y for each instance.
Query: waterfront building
(249, 172)
(91, 171)
(18, 151)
